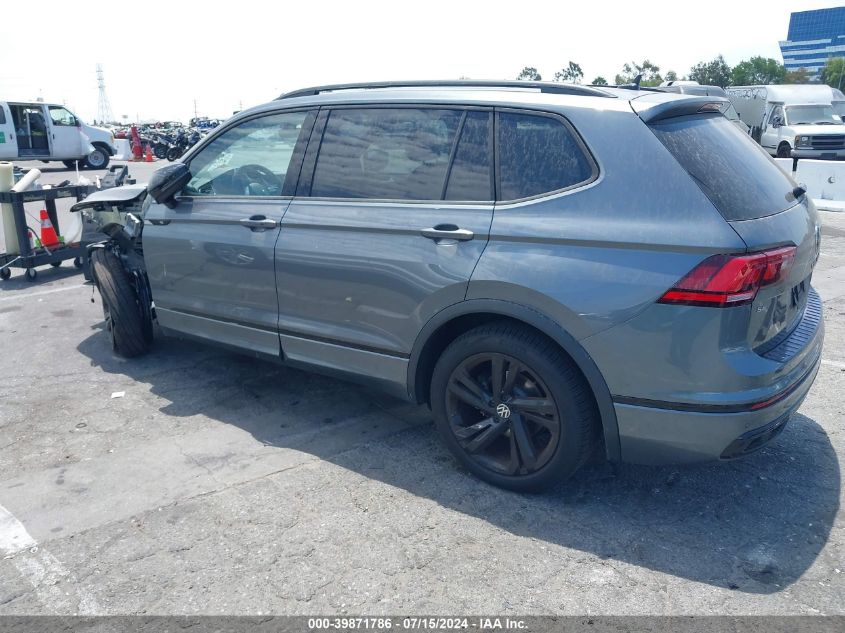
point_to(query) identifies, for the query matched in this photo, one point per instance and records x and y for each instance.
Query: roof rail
(548, 87)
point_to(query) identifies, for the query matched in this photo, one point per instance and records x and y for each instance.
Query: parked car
(795, 121)
(496, 251)
(51, 132)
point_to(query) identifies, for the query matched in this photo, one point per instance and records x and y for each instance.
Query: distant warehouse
(814, 36)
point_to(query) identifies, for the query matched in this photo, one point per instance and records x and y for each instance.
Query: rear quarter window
(737, 175)
(539, 154)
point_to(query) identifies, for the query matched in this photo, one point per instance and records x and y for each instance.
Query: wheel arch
(451, 322)
(105, 146)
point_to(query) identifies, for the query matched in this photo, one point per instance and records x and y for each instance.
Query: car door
(65, 133)
(771, 134)
(8, 144)
(390, 218)
(210, 258)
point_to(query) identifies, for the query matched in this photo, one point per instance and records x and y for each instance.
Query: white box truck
(791, 121)
(48, 132)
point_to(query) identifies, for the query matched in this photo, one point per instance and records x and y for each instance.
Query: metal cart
(29, 256)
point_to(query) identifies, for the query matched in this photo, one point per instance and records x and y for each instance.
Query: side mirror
(167, 182)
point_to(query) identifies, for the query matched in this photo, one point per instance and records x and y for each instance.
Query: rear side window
(386, 153)
(741, 180)
(471, 176)
(538, 154)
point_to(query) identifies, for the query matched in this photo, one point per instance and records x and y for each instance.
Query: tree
(571, 73)
(797, 76)
(833, 74)
(671, 76)
(758, 71)
(712, 73)
(649, 71)
(529, 73)
(599, 81)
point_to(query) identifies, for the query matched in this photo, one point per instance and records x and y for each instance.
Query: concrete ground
(193, 480)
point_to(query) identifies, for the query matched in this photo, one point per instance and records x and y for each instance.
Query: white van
(46, 132)
(795, 120)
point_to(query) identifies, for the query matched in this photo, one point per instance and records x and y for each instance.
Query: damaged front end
(118, 214)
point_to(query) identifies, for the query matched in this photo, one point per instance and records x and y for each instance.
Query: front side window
(250, 159)
(777, 113)
(62, 117)
(538, 154)
(385, 153)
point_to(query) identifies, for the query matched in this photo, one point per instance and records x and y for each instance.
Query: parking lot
(194, 480)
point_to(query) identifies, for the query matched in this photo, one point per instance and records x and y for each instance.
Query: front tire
(784, 150)
(513, 408)
(98, 159)
(130, 336)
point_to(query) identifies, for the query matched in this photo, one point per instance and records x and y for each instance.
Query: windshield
(811, 114)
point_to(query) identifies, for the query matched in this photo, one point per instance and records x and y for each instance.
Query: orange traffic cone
(148, 157)
(48, 233)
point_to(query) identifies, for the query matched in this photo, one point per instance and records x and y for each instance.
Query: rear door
(210, 259)
(8, 144)
(391, 216)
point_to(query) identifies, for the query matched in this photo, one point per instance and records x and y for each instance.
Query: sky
(168, 58)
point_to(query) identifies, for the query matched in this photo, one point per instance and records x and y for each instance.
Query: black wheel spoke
(467, 389)
(514, 368)
(524, 445)
(497, 371)
(549, 423)
(466, 432)
(542, 406)
(486, 438)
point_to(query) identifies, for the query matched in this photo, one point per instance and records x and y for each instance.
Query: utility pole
(103, 106)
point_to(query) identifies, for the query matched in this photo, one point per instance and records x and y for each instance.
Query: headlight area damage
(117, 266)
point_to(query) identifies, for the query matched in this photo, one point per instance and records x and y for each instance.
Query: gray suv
(552, 268)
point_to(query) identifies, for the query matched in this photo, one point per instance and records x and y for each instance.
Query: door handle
(259, 222)
(448, 232)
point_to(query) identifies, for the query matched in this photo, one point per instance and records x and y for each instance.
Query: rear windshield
(741, 180)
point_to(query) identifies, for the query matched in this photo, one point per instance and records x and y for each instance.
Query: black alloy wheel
(502, 414)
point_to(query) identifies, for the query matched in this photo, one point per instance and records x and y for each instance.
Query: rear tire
(121, 308)
(173, 154)
(549, 425)
(5, 273)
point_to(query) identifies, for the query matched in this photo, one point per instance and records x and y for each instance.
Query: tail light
(723, 281)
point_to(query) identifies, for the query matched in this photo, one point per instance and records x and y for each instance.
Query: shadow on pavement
(754, 525)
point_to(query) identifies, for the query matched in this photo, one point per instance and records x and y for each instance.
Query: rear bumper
(658, 435)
